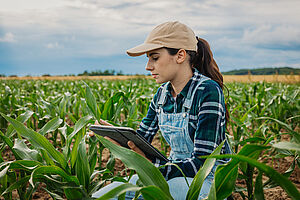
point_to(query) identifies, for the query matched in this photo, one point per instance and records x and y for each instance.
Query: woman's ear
(180, 56)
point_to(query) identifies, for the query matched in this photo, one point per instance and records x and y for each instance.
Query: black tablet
(123, 134)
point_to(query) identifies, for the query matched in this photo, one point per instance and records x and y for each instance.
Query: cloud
(279, 37)
(54, 45)
(8, 37)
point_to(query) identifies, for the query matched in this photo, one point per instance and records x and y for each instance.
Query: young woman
(188, 108)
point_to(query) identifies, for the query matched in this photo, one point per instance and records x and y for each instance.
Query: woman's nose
(149, 66)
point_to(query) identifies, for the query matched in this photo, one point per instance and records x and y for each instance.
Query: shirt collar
(185, 90)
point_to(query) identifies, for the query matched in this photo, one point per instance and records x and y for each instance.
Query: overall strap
(162, 97)
(192, 90)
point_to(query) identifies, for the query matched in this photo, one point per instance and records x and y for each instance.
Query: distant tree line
(106, 72)
(3, 75)
(260, 71)
(265, 71)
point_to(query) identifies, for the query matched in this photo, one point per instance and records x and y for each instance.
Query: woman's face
(162, 65)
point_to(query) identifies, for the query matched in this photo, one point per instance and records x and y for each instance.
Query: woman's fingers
(103, 122)
(91, 134)
(113, 141)
(133, 147)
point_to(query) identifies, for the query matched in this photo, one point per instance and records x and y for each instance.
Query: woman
(188, 108)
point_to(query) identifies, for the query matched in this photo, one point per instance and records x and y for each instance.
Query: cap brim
(143, 48)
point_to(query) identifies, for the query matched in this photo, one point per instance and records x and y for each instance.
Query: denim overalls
(174, 126)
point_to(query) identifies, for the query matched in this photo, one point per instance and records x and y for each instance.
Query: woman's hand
(102, 122)
(113, 141)
(133, 147)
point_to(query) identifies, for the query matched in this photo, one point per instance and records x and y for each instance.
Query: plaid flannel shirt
(206, 123)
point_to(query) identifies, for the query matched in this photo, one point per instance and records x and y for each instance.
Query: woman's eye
(155, 58)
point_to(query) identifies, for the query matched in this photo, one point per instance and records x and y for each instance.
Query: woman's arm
(149, 125)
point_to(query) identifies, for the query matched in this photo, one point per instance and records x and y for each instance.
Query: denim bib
(174, 126)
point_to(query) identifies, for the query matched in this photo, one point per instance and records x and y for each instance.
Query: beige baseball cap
(169, 34)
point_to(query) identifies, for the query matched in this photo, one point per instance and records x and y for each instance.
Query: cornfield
(45, 145)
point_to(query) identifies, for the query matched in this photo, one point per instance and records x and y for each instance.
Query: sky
(63, 37)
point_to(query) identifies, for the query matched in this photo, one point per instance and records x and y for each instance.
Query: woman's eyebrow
(152, 54)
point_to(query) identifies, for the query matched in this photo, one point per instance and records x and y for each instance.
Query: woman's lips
(154, 75)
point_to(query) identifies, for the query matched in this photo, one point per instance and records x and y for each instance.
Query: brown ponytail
(204, 62)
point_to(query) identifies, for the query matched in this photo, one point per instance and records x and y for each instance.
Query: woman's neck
(182, 79)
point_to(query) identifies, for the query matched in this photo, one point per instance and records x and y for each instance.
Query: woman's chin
(160, 81)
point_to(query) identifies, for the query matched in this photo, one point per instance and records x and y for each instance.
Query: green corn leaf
(92, 153)
(244, 117)
(288, 127)
(111, 163)
(251, 150)
(81, 123)
(22, 118)
(24, 152)
(147, 172)
(198, 180)
(287, 146)
(52, 125)
(252, 139)
(28, 165)
(52, 170)
(108, 110)
(82, 167)
(37, 140)
(10, 144)
(91, 102)
(53, 195)
(224, 183)
(259, 192)
(119, 190)
(4, 171)
(152, 192)
(46, 157)
(212, 192)
(73, 193)
(16, 185)
(63, 105)
(117, 96)
(74, 152)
